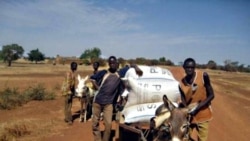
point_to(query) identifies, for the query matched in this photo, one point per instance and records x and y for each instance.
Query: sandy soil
(44, 119)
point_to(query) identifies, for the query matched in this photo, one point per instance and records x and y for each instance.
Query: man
(109, 89)
(196, 87)
(68, 92)
(95, 67)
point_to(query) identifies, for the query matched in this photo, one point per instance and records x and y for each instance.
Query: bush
(12, 98)
(14, 131)
(38, 92)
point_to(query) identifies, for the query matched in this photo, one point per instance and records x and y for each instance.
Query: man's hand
(69, 92)
(93, 81)
(137, 69)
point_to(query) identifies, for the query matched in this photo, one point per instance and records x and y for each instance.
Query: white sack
(151, 86)
(150, 72)
(140, 112)
(148, 89)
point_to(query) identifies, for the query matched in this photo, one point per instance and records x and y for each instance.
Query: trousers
(202, 130)
(107, 110)
(67, 108)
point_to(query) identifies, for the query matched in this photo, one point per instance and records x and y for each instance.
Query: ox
(171, 123)
(85, 94)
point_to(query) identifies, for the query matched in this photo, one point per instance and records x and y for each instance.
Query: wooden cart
(131, 132)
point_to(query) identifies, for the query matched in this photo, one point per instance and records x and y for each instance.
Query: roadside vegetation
(11, 98)
(13, 131)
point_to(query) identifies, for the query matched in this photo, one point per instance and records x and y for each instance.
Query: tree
(211, 65)
(169, 63)
(36, 55)
(141, 60)
(91, 54)
(162, 59)
(154, 62)
(231, 66)
(1, 55)
(11, 52)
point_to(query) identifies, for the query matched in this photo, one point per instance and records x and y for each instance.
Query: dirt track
(231, 106)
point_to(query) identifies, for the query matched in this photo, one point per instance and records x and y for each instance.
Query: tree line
(13, 52)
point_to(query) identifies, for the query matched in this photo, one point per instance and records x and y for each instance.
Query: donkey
(85, 94)
(171, 123)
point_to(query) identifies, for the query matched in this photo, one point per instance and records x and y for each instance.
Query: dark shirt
(98, 76)
(123, 71)
(111, 88)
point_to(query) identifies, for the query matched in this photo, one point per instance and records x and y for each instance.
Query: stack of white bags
(145, 92)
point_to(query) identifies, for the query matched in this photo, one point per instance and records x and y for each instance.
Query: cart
(131, 132)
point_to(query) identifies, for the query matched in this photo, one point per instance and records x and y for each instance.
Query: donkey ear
(79, 77)
(168, 103)
(86, 78)
(190, 108)
(165, 100)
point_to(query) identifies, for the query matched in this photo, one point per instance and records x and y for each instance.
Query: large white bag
(140, 112)
(151, 86)
(150, 72)
(147, 90)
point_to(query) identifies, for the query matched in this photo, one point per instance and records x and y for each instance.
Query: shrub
(34, 92)
(49, 96)
(11, 98)
(38, 92)
(11, 132)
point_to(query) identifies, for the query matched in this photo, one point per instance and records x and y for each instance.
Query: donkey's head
(171, 122)
(81, 89)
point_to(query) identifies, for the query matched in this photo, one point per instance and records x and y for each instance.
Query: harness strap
(187, 136)
(103, 80)
(190, 125)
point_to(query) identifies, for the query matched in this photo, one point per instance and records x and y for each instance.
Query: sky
(205, 30)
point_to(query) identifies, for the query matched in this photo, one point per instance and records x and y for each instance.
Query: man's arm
(183, 98)
(121, 101)
(69, 82)
(209, 88)
(124, 70)
(138, 71)
(96, 79)
(96, 86)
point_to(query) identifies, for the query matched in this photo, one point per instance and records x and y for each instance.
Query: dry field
(43, 120)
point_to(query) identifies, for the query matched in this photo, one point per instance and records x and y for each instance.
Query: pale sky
(205, 30)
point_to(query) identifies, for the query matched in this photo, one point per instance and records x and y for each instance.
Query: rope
(142, 136)
(146, 133)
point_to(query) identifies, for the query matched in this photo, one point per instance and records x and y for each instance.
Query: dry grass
(24, 75)
(27, 129)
